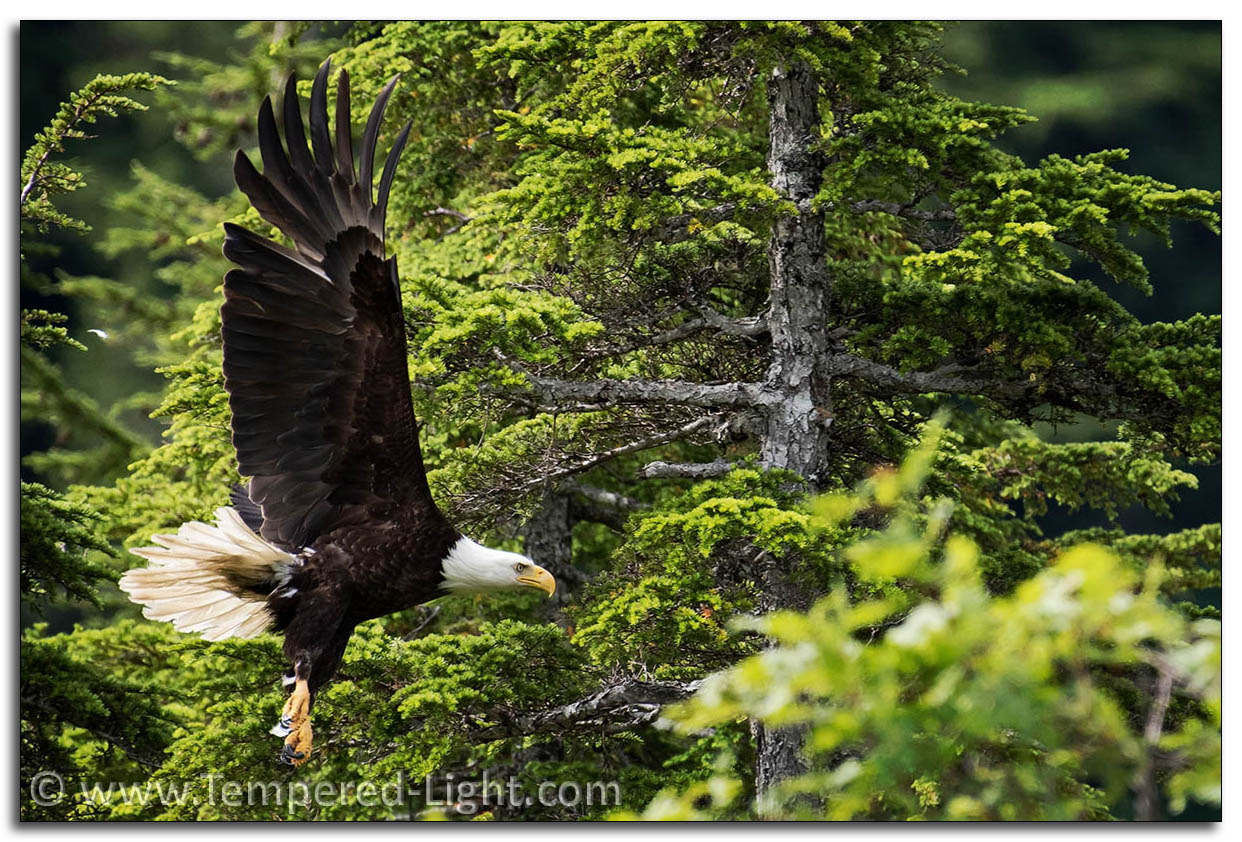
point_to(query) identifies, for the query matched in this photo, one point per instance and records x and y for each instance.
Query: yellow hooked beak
(537, 577)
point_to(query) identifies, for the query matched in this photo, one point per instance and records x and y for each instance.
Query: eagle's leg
(294, 724)
(314, 643)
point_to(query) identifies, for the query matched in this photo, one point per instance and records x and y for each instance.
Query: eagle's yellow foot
(295, 726)
(297, 747)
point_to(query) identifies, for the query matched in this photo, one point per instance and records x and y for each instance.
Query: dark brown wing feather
(314, 344)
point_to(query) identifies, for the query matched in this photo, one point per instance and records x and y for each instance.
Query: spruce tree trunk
(549, 542)
(796, 389)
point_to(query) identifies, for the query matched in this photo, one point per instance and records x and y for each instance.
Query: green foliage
(1191, 558)
(96, 706)
(42, 177)
(968, 705)
(1083, 202)
(58, 543)
(41, 329)
(214, 106)
(94, 445)
(686, 568)
(80, 718)
(99, 445)
(1103, 475)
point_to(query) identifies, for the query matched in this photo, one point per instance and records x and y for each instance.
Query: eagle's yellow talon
(295, 726)
(297, 747)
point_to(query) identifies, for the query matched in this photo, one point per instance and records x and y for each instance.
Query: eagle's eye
(519, 567)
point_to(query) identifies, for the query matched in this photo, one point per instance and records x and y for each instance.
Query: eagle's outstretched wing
(314, 341)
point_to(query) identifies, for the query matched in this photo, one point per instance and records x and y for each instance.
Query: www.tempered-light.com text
(448, 793)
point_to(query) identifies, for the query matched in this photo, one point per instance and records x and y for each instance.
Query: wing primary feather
(242, 245)
(313, 185)
(344, 131)
(275, 163)
(371, 135)
(320, 140)
(275, 207)
(295, 135)
(390, 169)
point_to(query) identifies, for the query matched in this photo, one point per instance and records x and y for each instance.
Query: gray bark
(606, 392)
(797, 384)
(686, 470)
(549, 541)
(797, 387)
(619, 707)
(547, 533)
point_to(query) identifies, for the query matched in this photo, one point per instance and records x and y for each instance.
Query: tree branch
(462, 220)
(620, 707)
(948, 378)
(748, 327)
(632, 447)
(1063, 236)
(611, 392)
(458, 215)
(686, 470)
(604, 497)
(598, 505)
(608, 392)
(1146, 801)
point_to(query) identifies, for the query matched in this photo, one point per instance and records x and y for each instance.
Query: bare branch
(462, 220)
(682, 331)
(1146, 800)
(538, 406)
(1159, 705)
(682, 432)
(597, 505)
(431, 615)
(603, 496)
(949, 378)
(686, 470)
(608, 392)
(458, 215)
(747, 327)
(611, 392)
(620, 707)
(1069, 389)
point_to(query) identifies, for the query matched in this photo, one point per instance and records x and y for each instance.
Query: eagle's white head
(471, 568)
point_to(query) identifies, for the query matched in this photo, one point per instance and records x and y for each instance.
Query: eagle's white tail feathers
(197, 578)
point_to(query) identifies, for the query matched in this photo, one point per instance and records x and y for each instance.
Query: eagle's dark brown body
(330, 592)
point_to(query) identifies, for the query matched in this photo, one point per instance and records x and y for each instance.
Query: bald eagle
(337, 525)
